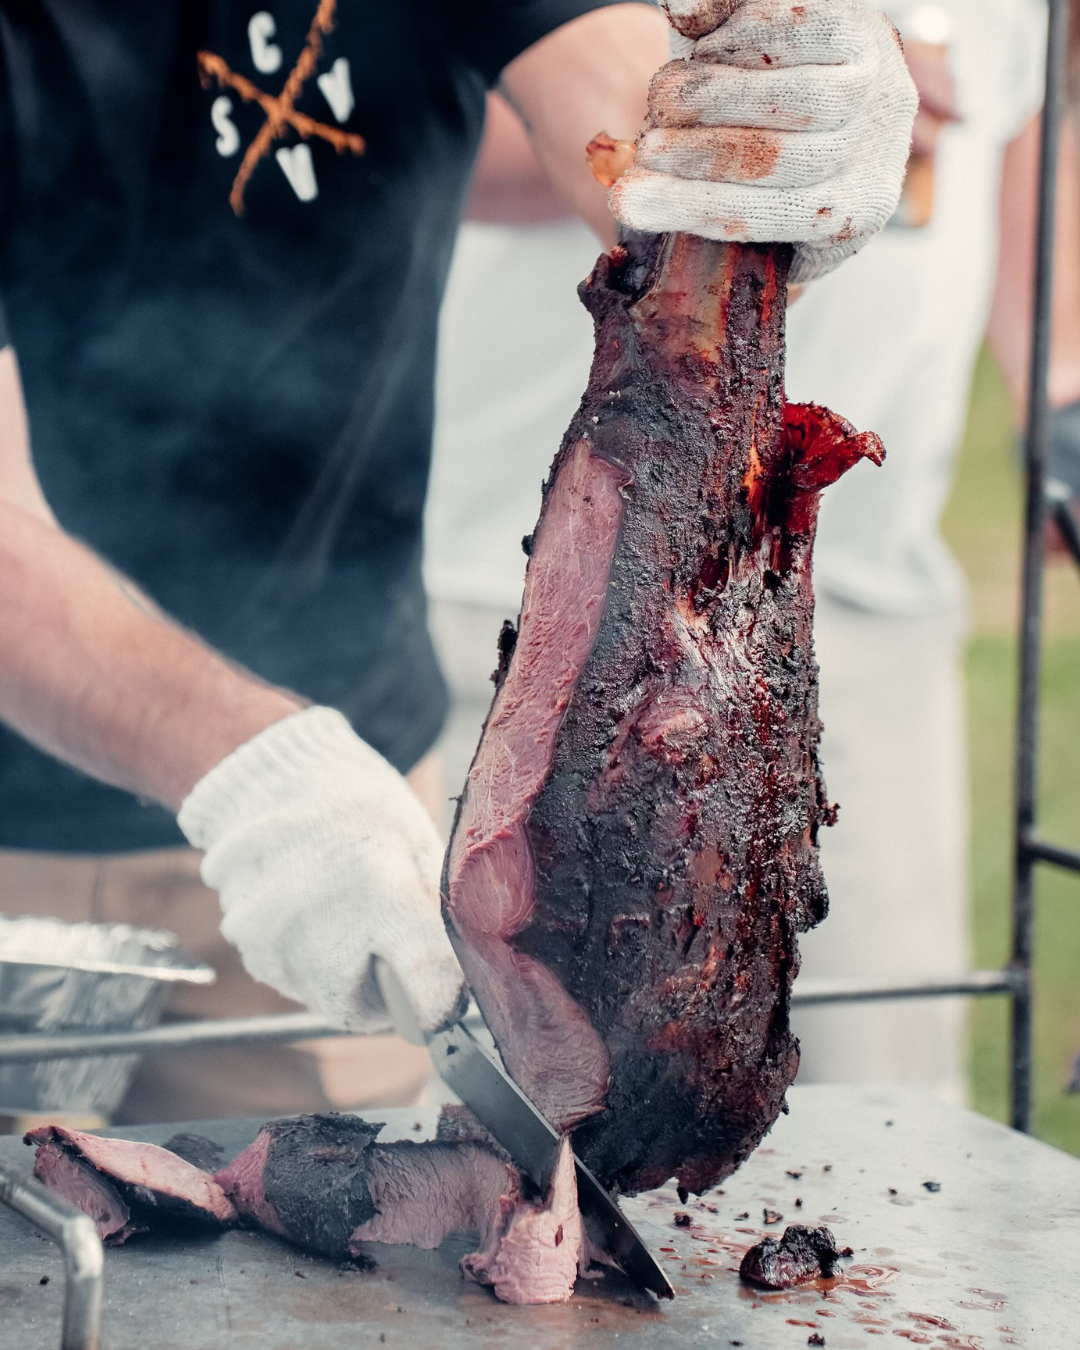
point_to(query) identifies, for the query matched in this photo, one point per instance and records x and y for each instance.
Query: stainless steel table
(987, 1256)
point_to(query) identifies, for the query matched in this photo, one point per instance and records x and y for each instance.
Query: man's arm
(96, 679)
(588, 76)
(89, 669)
(322, 854)
(508, 185)
(1010, 318)
(18, 481)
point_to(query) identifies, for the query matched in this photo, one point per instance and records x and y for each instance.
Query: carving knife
(483, 1085)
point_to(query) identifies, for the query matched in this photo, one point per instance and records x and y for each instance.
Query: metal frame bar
(815, 993)
(18, 1048)
(84, 1259)
(1028, 851)
(15, 1049)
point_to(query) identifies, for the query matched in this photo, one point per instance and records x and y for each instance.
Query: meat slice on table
(127, 1187)
(635, 847)
(323, 1182)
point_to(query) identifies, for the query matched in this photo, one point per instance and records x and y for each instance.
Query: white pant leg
(466, 638)
(894, 757)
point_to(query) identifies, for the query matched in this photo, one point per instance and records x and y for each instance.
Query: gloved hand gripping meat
(635, 848)
(779, 122)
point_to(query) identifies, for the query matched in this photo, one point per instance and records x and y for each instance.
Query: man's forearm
(588, 76)
(1010, 320)
(508, 185)
(94, 678)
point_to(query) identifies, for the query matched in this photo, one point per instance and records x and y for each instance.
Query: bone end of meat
(608, 158)
(535, 1252)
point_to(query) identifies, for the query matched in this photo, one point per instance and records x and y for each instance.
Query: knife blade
(483, 1085)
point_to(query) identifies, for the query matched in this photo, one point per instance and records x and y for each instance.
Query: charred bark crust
(674, 838)
(316, 1178)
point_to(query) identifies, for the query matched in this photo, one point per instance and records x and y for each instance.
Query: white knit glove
(324, 857)
(778, 122)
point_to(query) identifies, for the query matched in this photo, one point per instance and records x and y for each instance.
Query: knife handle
(401, 1011)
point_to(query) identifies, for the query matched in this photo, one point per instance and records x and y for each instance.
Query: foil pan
(57, 976)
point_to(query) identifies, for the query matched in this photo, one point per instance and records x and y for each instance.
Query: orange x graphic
(280, 112)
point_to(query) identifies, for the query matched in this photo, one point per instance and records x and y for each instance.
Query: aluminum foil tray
(57, 976)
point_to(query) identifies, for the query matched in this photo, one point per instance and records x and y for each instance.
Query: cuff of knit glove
(810, 262)
(258, 773)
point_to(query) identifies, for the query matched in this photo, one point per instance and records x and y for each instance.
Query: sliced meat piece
(306, 1178)
(801, 1254)
(324, 1183)
(635, 848)
(424, 1192)
(157, 1188)
(83, 1186)
(535, 1250)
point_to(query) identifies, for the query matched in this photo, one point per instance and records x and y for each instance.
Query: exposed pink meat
(491, 878)
(424, 1192)
(85, 1188)
(534, 1252)
(242, 1182)
(150, 1181)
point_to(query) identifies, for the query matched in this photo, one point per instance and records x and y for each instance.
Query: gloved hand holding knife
(324, 858)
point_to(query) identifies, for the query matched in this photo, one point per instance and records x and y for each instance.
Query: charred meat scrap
(801, 1254)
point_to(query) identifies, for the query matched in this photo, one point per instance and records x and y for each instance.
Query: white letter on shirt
(228, 141)
(265, 54)
(296, 165)
(336, 86)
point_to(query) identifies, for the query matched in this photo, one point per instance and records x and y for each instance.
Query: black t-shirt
(232, 403)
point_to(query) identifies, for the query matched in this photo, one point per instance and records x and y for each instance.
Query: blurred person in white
(890, 342)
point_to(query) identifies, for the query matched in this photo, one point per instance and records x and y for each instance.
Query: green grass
(982, 525)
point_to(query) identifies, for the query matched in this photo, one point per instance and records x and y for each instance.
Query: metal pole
(24, 1046)
(809, 993)
(35, 1047)
(1034, 525)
